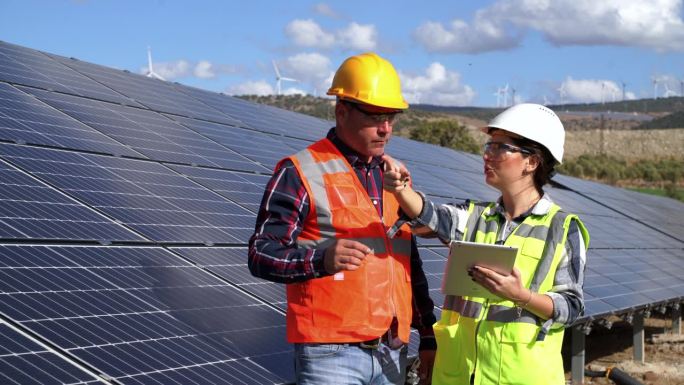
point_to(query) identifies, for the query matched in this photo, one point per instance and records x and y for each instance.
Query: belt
(375, 342)
(370, 344)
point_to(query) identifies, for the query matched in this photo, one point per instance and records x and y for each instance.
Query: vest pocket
(341, 301)
(520, 351)
(450, 362)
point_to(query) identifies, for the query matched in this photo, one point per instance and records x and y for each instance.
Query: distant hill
(673, 120)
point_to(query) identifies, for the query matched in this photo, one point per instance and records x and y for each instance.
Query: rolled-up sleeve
(444, 221)
(567, 293)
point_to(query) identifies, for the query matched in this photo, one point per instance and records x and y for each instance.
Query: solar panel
(261, 117)
(142, 314)
(30, 209)
(145, 196)
(244, 189)
(33, 68)
(24, 119)
(660, 213)
(23, 361)
(269, 151)
(149, 133)
(152, 93)
(231, 264)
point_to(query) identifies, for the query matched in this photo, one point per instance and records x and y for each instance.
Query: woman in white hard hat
(515, 340)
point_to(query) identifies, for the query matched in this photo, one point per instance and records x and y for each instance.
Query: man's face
(366, 129)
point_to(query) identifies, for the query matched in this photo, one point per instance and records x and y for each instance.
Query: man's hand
(345, 254)
(427, 359)
(395, 175)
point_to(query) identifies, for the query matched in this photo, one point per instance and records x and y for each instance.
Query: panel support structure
(638, 337)
(577, 340)
(677, 319)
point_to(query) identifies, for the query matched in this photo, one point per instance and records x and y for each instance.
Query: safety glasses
(499, 149)
(376, 117)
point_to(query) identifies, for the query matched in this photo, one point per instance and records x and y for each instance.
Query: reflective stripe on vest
(357, 305)
(487, 337)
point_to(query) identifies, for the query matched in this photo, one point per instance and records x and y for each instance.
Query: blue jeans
(343, 364)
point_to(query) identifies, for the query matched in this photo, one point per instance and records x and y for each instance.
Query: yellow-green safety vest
(493, 341)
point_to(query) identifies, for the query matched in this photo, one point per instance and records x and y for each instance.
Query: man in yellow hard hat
(352, 291)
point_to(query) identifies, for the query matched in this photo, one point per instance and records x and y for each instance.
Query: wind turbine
(150, 72)
(603, 87)
(280, 78)
(498, 97)
(561, 92)
(505, 95)
(655, 88)
(668, 92)
(512, 96)
(623, 90)
(546, 101)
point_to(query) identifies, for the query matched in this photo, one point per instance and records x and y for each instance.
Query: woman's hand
(396, 176)
(505, 286)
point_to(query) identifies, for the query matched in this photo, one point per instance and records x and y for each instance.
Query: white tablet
(463, 255)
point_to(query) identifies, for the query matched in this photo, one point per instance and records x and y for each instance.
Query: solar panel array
(126, 204)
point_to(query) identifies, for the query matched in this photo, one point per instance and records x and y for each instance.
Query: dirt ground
(664, 352)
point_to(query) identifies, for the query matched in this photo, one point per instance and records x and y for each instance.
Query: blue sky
(447, 52)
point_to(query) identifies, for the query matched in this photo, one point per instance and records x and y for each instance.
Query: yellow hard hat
(369, 79)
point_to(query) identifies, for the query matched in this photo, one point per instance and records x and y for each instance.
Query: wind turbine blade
(289, 79)
(149, 60)
(275, 68)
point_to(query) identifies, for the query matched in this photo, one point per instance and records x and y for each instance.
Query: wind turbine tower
(623, 91)
(280, 78)
(561, 92)
(655, 88)
(150, 71)
(505, 95)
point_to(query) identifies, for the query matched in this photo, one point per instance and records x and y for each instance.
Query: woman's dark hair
(547, 164)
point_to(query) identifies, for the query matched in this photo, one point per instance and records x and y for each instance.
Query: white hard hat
(534, 122)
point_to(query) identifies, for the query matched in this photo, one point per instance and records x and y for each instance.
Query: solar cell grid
(236, 187)
(231, 264)
(29, 209)
(144, 312)
(25, 362)
(149, 133)
(260, 147)
(23, 118)
(145, 196)
(152, 93)
(260, 117)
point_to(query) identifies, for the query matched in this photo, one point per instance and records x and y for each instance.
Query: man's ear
(340, 110)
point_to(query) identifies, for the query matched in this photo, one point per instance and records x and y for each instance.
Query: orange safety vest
(350, 306)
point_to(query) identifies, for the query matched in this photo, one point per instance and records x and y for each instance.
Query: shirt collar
(542, 207)
(352, 156)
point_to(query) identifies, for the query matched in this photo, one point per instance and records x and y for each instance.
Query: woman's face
(504, 161)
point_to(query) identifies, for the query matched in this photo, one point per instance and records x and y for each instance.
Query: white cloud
(326, 10)
(437, 86)
(668, 85)
(592, 91)
(293, 91)
(204, 70)
(306, 67)
(307, 33)
(656, 24)
(358, 37)
(260, 87)
(170, 70)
